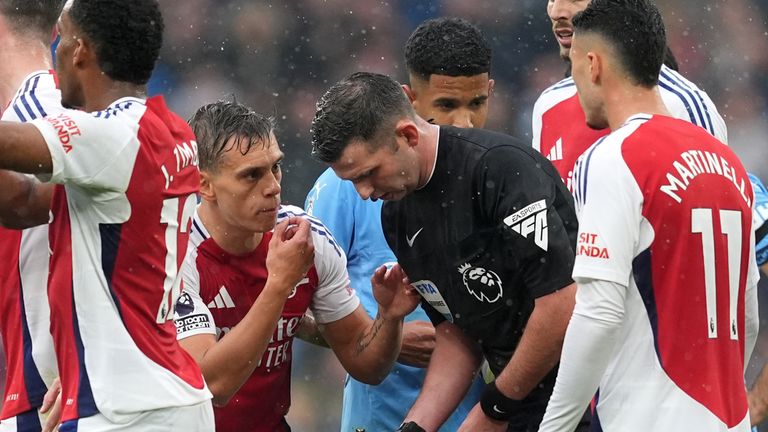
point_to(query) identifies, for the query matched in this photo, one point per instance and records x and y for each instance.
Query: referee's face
(388, 172)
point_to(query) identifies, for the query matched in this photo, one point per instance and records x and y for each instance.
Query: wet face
(583, 67)
(456, 101)
(561, 13)
(390, 172)
(245, 190)
(71, 88)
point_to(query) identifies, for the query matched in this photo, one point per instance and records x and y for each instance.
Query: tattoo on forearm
(369, 335)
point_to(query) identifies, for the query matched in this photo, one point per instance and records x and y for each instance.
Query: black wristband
(411, 426)
(497, 406)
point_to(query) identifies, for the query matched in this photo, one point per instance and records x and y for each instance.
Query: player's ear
(207, 191)
(407, 129)
(409, 92)
(491, 83)
(595, 67)
(82, 53)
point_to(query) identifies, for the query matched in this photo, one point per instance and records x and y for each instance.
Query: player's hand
(291, 254)
(477, 421)
(52, 406)
(418, 344)
(393, 292)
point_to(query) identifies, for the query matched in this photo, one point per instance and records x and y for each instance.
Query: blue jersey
(356, 226)
(760, 219)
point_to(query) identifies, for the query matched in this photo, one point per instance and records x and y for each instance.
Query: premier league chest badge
(485, 285)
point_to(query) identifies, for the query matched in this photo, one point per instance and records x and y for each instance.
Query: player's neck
(429, 135)
(21, 57)
(101, 91)
(232, 239)
(627, 101)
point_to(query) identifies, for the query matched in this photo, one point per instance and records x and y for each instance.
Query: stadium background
(278, 57)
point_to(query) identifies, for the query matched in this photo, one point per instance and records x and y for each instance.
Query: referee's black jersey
(493, 229)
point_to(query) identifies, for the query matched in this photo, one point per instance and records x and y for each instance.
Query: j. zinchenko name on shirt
(697, 162)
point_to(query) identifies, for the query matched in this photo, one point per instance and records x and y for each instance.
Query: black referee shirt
(493, 229)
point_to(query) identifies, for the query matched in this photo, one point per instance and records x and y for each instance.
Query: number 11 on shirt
(730, 226)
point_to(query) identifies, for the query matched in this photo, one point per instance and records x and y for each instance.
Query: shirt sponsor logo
(279, 349)
(588, 246)
(531, 220)
(65, 128)
(431, 294)
(222, 300)
(192, 322)
(482, 283)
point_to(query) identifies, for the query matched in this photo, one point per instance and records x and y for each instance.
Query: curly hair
(127, 35)
(447, 46)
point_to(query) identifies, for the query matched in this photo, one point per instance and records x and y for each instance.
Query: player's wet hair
(636, 31)
(36, 17)
(217, 123)
(447, 46)
(358, 107)
(127, 35)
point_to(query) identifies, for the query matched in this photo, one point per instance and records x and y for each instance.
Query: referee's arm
(540, 345)
(451, 370)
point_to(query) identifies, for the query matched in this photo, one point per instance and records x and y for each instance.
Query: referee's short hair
(362, 106)
(447, 46)
(33, 17)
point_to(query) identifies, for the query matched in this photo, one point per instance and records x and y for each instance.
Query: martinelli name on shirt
(695, 163)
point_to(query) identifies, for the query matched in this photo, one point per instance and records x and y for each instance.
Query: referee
(485, 230)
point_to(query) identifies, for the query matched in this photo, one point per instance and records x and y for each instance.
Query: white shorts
(30, 421)
(193, 418)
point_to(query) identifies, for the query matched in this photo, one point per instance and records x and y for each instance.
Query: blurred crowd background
(279, 57)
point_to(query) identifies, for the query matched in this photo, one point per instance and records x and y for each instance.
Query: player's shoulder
(38, 96)
(685, 100)
(329, 185)
(158, 116)
(198, 234)
(672, 79)
(759, 188)
(127, 109)
(553, 95)
(761, 199)
(117, 121)
(609, 148)
(198, 238)
(321, 235)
